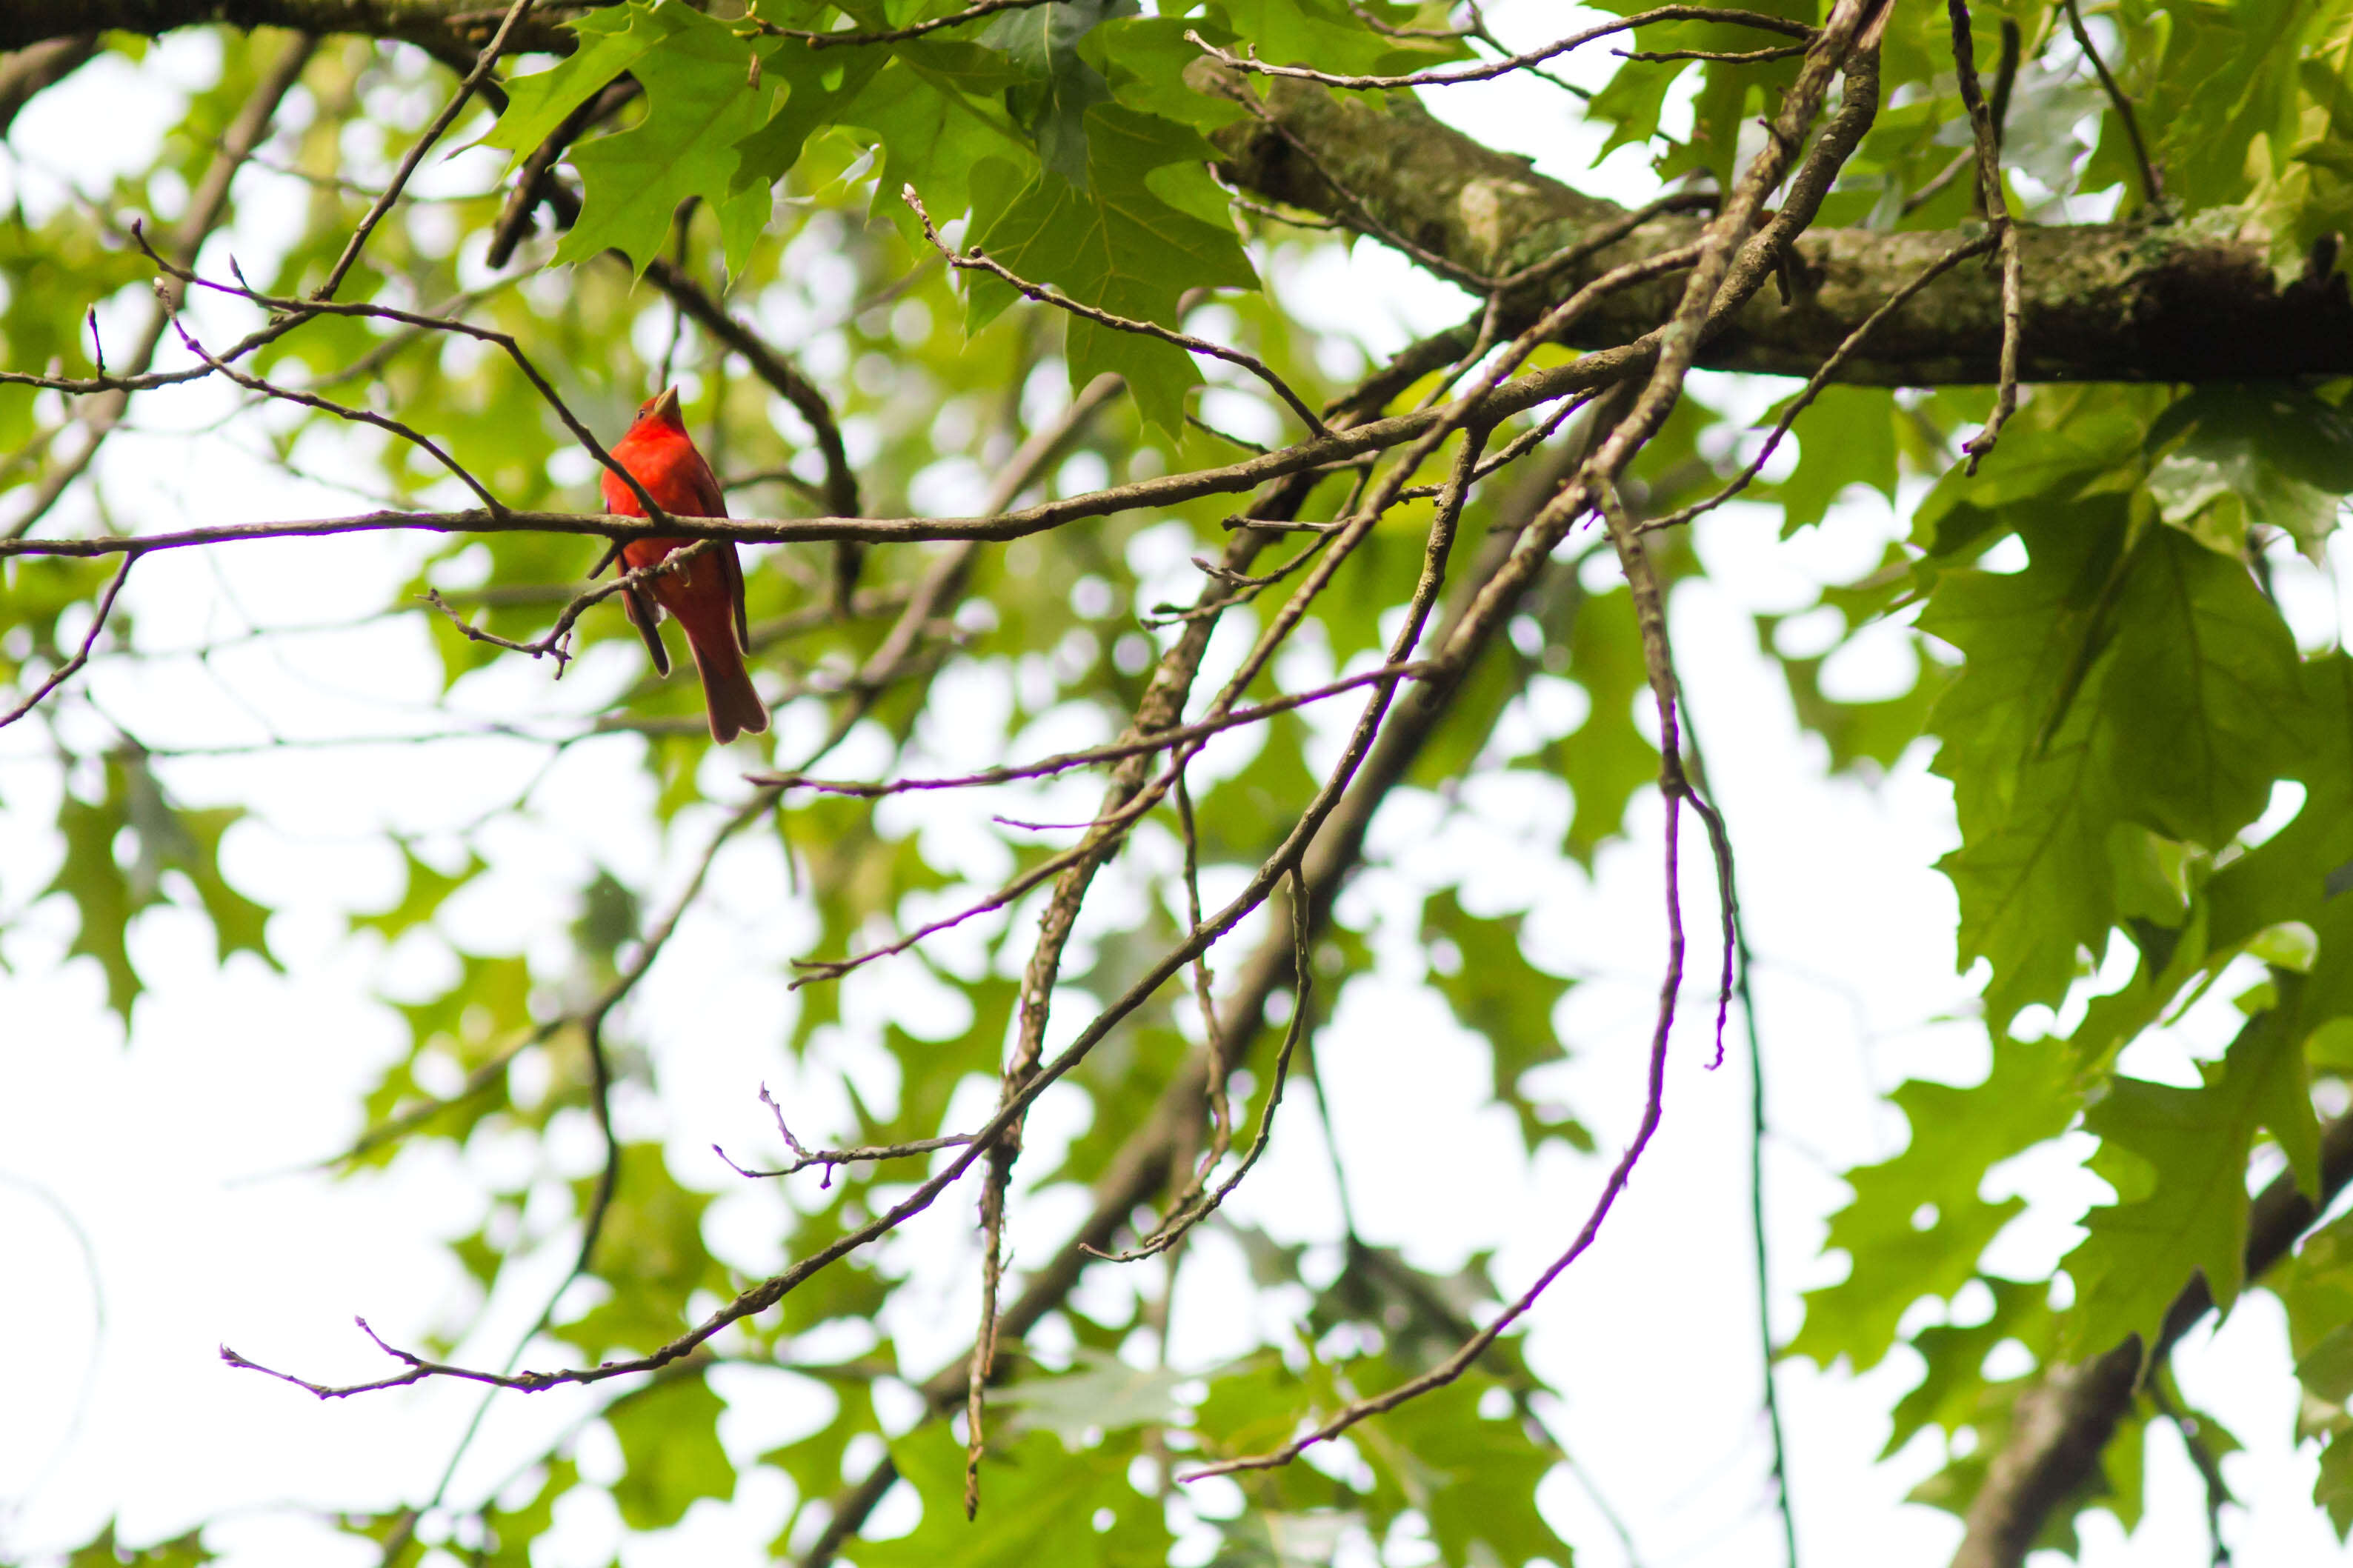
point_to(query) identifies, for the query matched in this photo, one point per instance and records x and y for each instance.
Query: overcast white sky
(147, 1214)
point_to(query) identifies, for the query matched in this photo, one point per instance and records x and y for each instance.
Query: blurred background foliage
(2116, 705)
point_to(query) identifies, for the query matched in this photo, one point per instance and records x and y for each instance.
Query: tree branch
(442, 26)
(35, 70)
(1341, 447)
(2101, 302)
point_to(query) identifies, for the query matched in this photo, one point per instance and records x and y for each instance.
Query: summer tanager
(705, 594)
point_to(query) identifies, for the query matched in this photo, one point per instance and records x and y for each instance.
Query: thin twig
(1184, 1211)
(1221, 1119)
(2152, 187)
(385, 422)
(558, 642)
(1076, 865)
(1487, 70)
(1146, 1160)
(536, 181)
(1737, 946)
(896, 35)
(975, 260)
(1847, 22)
(2004, 232)
(803, 1158)
(416, 155)
(298, 309)
(1076, 869)
(66, 671)
(592, 1021)
(1720, 57)
(1171, 1231)
(1821, 378)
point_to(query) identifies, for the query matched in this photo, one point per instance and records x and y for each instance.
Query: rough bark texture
(2103, 302)
(435, 24)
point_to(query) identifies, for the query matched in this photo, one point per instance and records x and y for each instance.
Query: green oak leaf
(702, 100)
(1955, 1392)
(1497, 992)
(933, 113)
(2233, 456)
(2170, 957)
(1058, 86)
(2203, 690)
(2299, 874)
(2333, 1489)
(1118, 245)
(668, 1433)
(1038, 1503)
(2022, 736)
(612, 40)
(1100, 1394)
(818, 86)
(424, 892)
(1144, 59)
(2178, 1160)
(1915, 1225)
(1330, 35)
(2068, 443)
(165, 838)
(1847, 436)
(2316, 1286)
(104, 1552)
(2156, 686)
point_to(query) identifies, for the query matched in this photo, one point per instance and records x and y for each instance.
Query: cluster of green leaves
(2127, 706)
(2128, 703)
(1061, 131)
(130, 850)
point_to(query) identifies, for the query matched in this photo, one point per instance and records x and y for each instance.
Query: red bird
(706, 593)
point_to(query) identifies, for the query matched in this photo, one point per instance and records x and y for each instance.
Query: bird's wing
(710, 500)
(731, 572)
(641, 613)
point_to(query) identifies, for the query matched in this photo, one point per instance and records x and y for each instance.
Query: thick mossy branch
(437, 25)
(2103, 302)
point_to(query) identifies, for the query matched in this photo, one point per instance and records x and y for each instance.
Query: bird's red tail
(728, 694)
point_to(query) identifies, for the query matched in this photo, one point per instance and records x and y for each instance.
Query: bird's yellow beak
(665, 407)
